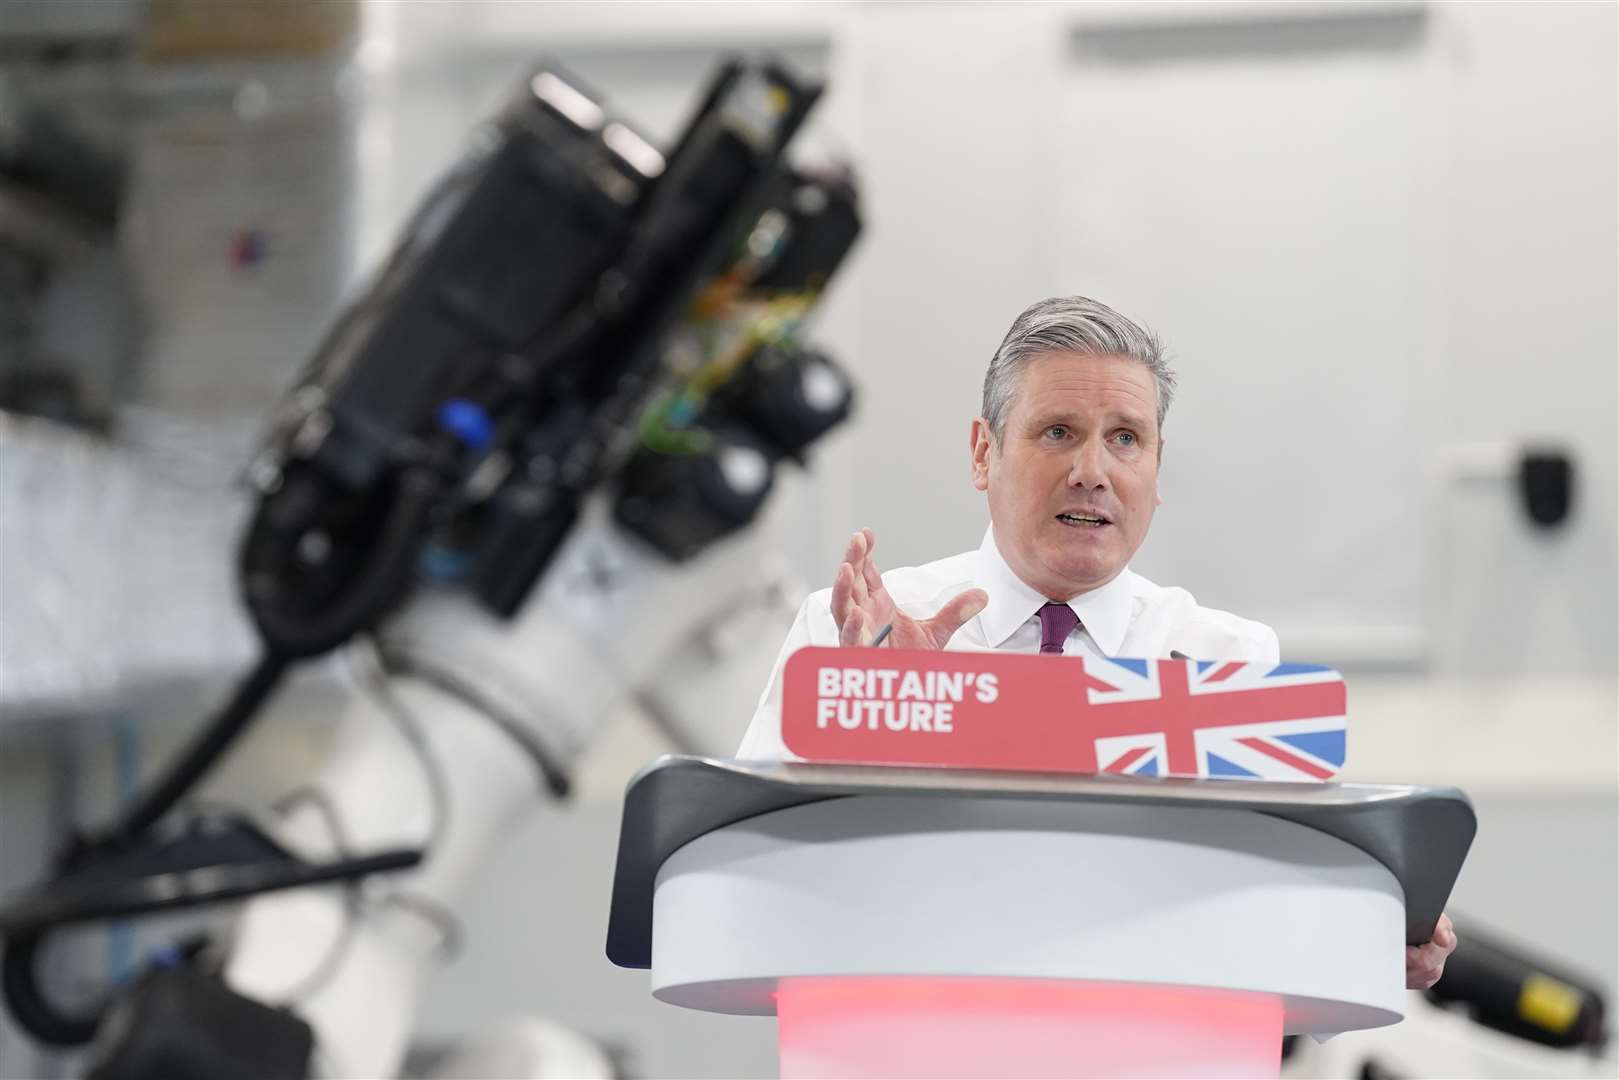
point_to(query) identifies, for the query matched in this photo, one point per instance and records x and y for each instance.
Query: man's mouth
(1083, 521)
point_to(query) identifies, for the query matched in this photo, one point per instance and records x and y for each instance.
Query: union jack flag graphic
(1211, 718)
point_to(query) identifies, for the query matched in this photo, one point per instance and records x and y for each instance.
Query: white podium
(933, 922)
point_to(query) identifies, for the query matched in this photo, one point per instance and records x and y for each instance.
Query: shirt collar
(1104, 612)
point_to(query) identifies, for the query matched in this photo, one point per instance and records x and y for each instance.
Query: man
(1066, 451)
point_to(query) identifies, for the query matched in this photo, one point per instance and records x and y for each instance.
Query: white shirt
(1129, 616)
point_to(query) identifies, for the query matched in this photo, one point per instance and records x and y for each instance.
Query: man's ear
(1158, 492)
(982, 439)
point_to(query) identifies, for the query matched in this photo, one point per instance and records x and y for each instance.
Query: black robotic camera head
(569, 306)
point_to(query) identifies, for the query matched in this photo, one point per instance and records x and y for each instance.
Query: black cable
(389, 566)
(31, 1009)
(287, 638)
(198, 757)
(552, 773)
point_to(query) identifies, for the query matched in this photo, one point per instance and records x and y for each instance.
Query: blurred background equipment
(568, 297)
(61, 198)
(1499, 1010)
(1506, 987)
(1546, 479)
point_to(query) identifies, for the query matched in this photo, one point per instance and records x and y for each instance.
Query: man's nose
(1087, 469)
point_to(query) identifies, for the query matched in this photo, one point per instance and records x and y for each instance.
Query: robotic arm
(445, 668)
(516, 483)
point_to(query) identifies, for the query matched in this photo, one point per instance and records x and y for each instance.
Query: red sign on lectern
(1025, 713)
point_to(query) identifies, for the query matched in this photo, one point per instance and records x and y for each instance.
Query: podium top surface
(1421, 834)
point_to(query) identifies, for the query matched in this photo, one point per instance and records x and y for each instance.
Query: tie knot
(1057, 621)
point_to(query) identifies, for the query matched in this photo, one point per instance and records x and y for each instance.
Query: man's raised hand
(861, 605)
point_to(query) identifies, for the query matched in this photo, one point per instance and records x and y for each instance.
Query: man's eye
(1056, 431)
(1128, 437)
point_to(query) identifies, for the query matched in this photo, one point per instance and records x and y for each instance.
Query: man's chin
(1083, 575)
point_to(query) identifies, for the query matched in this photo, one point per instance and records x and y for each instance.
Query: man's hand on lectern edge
(861, 605)
(1425, 963)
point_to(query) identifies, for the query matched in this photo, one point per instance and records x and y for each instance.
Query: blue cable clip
(468, 422)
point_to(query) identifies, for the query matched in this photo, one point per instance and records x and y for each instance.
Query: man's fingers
(853, 587)
(842, 593)
(954, 613)
(854, 557)
(1424, 964)
(855, 552)
(1444, 934)
(852, 634)
(873, 578)
(869, 593)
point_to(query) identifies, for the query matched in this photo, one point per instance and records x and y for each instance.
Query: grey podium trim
(1421, 834)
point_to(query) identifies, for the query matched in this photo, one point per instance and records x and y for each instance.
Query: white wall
(1531, 322)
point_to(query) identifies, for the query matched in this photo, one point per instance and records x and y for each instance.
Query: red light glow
(981, 1027)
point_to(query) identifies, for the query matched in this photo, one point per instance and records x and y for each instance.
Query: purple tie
(1057, 621)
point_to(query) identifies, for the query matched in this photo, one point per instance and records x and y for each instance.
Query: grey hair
(1070, 324)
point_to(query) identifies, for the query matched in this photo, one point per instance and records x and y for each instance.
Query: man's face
(1073, 480)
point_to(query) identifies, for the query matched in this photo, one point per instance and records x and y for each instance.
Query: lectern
(950, 922)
